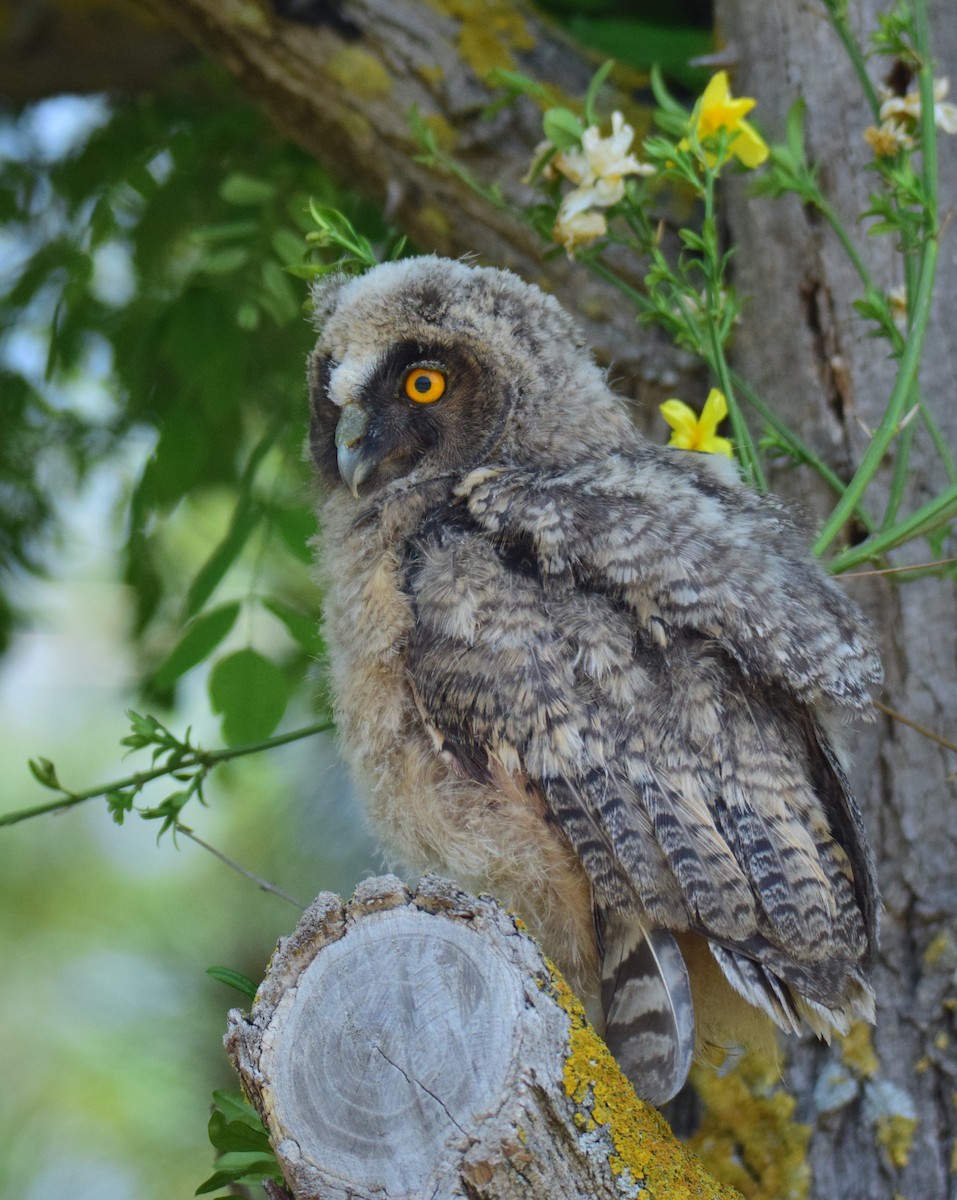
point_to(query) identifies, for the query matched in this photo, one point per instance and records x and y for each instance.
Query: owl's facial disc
(422, 406)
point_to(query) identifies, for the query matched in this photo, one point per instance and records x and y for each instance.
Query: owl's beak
(353, 466)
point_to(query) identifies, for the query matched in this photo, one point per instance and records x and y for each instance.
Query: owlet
(596, 677)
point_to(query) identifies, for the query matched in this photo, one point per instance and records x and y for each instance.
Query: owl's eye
(424, 385)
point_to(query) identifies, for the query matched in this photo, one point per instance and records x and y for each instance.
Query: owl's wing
(695, 787)
(657, 531)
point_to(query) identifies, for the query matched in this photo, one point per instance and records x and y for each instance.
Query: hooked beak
(353, 466)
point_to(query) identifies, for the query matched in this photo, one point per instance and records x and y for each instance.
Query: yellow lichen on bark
(857, 1051)
(359, 72)
(748, 1137)
(490, 31)
(896, 1134)
(645, 1149)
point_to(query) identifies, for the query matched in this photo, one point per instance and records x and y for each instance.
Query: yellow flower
(692, 432)
(717, 110)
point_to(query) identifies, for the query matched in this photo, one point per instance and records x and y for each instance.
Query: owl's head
(429, 367)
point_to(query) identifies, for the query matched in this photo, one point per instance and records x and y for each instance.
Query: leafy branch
(176, 758)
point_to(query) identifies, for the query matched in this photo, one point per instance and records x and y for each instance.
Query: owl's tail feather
(646, 995)
(760, 988)
(784, 1003)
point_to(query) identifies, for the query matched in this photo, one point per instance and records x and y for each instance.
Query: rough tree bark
(409, 1045)
(810, 355)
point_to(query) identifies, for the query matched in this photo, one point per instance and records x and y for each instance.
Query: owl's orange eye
(424, 386)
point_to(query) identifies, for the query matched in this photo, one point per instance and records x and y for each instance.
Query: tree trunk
(883, 1122)
(419, 1045)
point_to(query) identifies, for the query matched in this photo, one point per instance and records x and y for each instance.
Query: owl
(596, 677)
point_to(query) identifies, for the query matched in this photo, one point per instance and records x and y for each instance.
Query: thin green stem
(928, 129)
(797, 447)
(639, 299)
(899, 477)
(837, 227)
(717, 360)
(263, 884)
(204, 759)
(910, 358)
(893, 335)
(742, 434)
(843, 30)
(925, 520)
(890, 424)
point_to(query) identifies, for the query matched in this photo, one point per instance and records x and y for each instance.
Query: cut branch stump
(419, 1045)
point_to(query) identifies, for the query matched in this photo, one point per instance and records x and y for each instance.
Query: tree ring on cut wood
(384, 1038)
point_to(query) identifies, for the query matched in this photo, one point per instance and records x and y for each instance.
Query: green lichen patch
(443, 132)
(490, 31)
(941, 951)
(896, 1134)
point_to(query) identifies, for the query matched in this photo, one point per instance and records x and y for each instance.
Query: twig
(928, 733)
(262, 884)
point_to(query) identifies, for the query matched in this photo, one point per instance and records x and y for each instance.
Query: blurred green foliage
(644, 33)
(206, 209)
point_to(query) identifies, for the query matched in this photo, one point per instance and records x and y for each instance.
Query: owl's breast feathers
(642, 663)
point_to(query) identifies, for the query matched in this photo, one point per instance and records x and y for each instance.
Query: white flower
(945, 115)
(578, 226)
(603, 159)
(888, 139)
(897, 302)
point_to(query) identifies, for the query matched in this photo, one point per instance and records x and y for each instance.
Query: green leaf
(289, 246)
(251, 693)
(279, 296)
(516, 82)
(297, 528)
(44, 772)
(222, 262)
(239, 188)
(226, 231)
(247, 316)
(592, 95)
(119, 804)
(795, 129)
(236, 1108)
(236, 1136)
(245, 520)
(562, 128)
(303, 627)
(233, 979)
(240, 1166)
(202, 636)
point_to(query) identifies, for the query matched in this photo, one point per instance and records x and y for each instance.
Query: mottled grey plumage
(594, 676)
